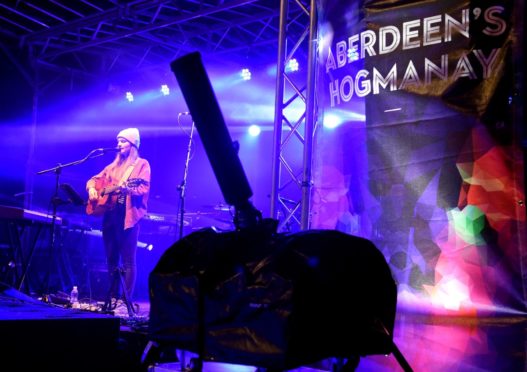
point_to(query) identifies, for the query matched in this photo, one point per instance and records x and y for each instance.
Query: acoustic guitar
(108, 195)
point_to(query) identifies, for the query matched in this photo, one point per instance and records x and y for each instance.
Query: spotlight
(129, 96)
(165, 90)
(254, 130)
(246, 74)
(353, 54)
(331, 121)
(292, 65)
(147, 246)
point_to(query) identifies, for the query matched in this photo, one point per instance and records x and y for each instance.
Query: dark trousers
(121, 247)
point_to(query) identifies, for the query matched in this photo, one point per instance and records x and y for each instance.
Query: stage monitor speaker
(41, 336)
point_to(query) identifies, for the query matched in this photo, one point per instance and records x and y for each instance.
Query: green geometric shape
(469, 222)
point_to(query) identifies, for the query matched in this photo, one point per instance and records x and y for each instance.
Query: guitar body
(108, 195)
(99, 206)
(106, 200)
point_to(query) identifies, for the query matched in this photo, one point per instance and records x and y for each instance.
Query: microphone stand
(55, 201)
(182, 187)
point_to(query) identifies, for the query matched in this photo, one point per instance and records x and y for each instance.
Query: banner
(420, 151)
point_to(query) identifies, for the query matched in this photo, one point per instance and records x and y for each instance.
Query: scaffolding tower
(295, 118)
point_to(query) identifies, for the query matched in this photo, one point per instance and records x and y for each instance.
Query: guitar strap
(127, 173)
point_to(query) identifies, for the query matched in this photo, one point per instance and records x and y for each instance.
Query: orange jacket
(137, 198)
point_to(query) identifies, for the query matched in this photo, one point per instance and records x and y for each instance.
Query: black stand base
(109, 305)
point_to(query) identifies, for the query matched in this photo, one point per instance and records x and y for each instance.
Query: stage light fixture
(246, 74)
(165, 90)
(331, 121)
(353, 54)
(129, 96)
(254, 130)
(148, 246)
(292, 65)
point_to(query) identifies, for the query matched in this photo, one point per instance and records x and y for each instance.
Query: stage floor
(34, 329)
(431, 343)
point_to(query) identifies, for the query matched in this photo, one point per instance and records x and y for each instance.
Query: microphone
(108, 149)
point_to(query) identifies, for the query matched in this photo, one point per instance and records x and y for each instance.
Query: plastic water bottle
(74, 298)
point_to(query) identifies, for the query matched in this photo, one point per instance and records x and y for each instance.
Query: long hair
(120, 163)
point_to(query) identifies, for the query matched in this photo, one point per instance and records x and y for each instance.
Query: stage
(49, 334)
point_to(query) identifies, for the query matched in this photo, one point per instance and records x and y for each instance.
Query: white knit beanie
(131, 135)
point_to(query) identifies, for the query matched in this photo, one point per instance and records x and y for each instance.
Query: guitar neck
(130, 183)
(109, 190)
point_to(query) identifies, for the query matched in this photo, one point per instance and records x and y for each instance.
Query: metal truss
(295, 118)
(108, 36)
